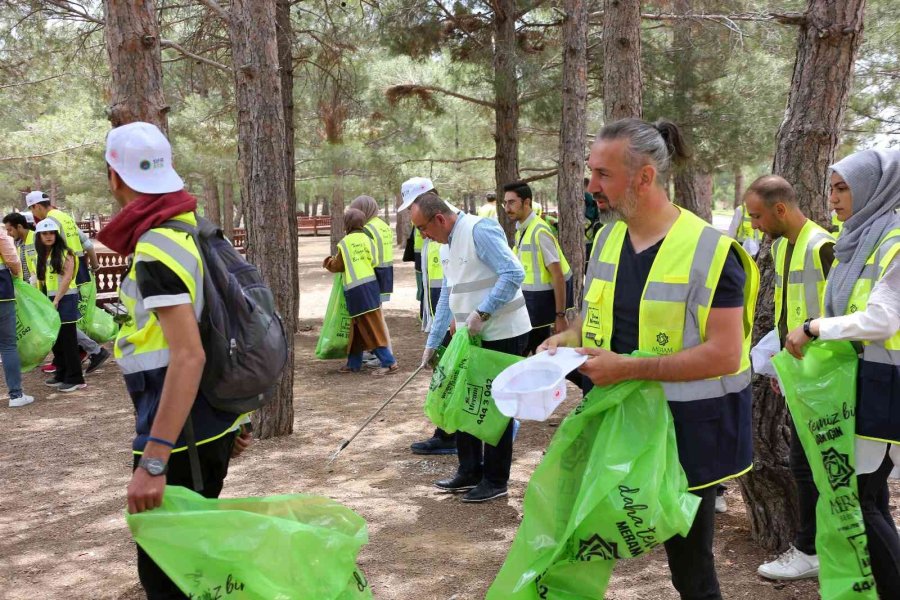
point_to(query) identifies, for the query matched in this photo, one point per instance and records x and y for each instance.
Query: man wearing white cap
(482, 289)
(159, 348)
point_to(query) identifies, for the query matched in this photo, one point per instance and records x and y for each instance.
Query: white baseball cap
(412, 189)
(34, 197)
(142, 157)
(533, 388)
(29, 218)
(46, 225)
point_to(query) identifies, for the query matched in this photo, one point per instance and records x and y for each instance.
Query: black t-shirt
(154, 278)
(631, 278)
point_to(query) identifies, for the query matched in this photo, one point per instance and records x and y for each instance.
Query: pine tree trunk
(228, 206)
(269, 211)
(211, 196)
(827, 47)
(506, 98)
(693, 191)
(738, 187)
(135, 59)
(621, 59)
(573, 125)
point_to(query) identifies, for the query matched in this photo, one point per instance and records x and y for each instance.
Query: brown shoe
(386, 370)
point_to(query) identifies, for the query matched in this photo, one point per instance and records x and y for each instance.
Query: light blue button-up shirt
(492, 249)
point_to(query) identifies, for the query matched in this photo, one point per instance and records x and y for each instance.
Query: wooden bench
(314, 226)
(87, 226)
(108, 277)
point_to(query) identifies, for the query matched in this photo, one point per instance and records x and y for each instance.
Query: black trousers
(881, 533)
(807, 496)
(214, 458)
(477, 459)
(66, 356)
(536, 338)
(691, 560)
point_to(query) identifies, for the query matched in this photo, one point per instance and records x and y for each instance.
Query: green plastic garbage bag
(278, 547)
(610, 487)
(37, 324)
(95, 322)
(820, 391)
(459, 396)
(334, 337)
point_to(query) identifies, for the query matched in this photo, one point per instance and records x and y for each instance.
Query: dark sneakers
(485, 491)
(456, 484)
(97, 360)
(435, 445)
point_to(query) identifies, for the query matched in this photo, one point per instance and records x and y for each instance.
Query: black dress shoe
(435, 445)
(485, 491)
(457, 483)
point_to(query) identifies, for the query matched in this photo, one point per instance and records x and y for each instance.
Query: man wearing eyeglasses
(482, 289)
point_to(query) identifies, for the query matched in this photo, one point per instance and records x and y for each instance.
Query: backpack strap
(193, 455)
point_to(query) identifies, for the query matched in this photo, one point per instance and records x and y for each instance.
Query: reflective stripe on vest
(361, 289)
(745, 229)
(51, 280)
(676, 300)
(28, 253)
(806, 276)
(140, 344)
(537, 275)
(417, 240)
(69, 229)
(383, 238)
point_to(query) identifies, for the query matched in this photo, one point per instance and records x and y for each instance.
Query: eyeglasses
(424, 225)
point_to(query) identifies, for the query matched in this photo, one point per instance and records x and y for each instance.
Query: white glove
(474, 323)
(428, 357)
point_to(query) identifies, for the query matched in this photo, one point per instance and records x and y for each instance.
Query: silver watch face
(154, 466)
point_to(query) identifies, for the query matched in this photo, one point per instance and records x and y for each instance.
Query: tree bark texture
(269, 211)
(738, 187)
(211, 193)
(228, 206)
(693, 191)
(622, 91)
(506, 99)
(135, 59)
(286, 68)
(827, 47)
(573, 128)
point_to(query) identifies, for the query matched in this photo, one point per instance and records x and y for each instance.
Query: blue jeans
(354, 361)
(12, 366)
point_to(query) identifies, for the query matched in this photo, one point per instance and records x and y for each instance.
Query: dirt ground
(65, 465)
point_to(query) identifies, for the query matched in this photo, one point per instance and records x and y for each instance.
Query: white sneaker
(791, 565)
(23, 400)
(721, 504)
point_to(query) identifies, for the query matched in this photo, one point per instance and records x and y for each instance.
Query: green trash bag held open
(295, 547)
(459, 396)
(37, 324)
(610, 487)
(95, 322)
(820, 392)
(334, 338)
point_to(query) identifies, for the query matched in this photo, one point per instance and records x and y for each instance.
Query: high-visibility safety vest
(28, 254)
(52, 278)
(141, 349)
(69, 230)
(488, 210)
(360, 284)
(469, 281)
(418, 240)
(745, 230)
(383, 239)
(878, 399)
(805, 279)
(434, 274)
(714, 436)
(537, 287)
(837, 224)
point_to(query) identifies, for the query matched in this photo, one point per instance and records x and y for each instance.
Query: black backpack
(243, 335)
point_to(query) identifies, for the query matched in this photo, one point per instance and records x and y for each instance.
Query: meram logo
(596, 547)
(662, 339)
(838, 468)
(437, 379)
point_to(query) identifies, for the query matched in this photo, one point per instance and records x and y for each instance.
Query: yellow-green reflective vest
(69, 229)
(28, 254)
(805, 279)
(51, 280)
(673, 315)
(745, 229)
(434, 275)
(837, 224)
(537, 287)
(383, 239)
(488, 210)
(360, 284)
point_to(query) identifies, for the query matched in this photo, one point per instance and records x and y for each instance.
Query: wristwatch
(484, 315)
(807, 330)
(154, 466)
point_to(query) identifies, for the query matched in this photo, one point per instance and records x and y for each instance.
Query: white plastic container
(533, 388)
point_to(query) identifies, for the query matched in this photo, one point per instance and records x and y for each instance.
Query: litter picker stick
(346, 443)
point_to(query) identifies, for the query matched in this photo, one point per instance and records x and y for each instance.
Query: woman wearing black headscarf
(862, 304)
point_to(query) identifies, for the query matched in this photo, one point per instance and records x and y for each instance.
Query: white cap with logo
(34, 197)
(412, 189)
(142, 156)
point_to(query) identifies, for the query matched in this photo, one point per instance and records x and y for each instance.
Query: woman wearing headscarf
(862, 304)
(383, 239)
(356, 260)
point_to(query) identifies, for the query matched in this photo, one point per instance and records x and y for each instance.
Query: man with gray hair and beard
(663, 281)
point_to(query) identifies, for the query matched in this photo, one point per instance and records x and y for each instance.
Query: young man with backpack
(159, 348)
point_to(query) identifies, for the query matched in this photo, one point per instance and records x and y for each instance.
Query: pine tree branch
(399, 89)
(546, 175)
(217, 8)
(42, 155)
(191, 55)
(450, 161)
(32, 82)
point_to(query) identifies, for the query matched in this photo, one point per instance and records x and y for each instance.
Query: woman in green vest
(862, 304)
(368, 331)
(56, 268)
(383, 239)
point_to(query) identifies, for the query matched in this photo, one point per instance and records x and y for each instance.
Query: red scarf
(147, 211)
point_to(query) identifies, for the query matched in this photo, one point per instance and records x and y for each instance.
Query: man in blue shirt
(481, 289)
